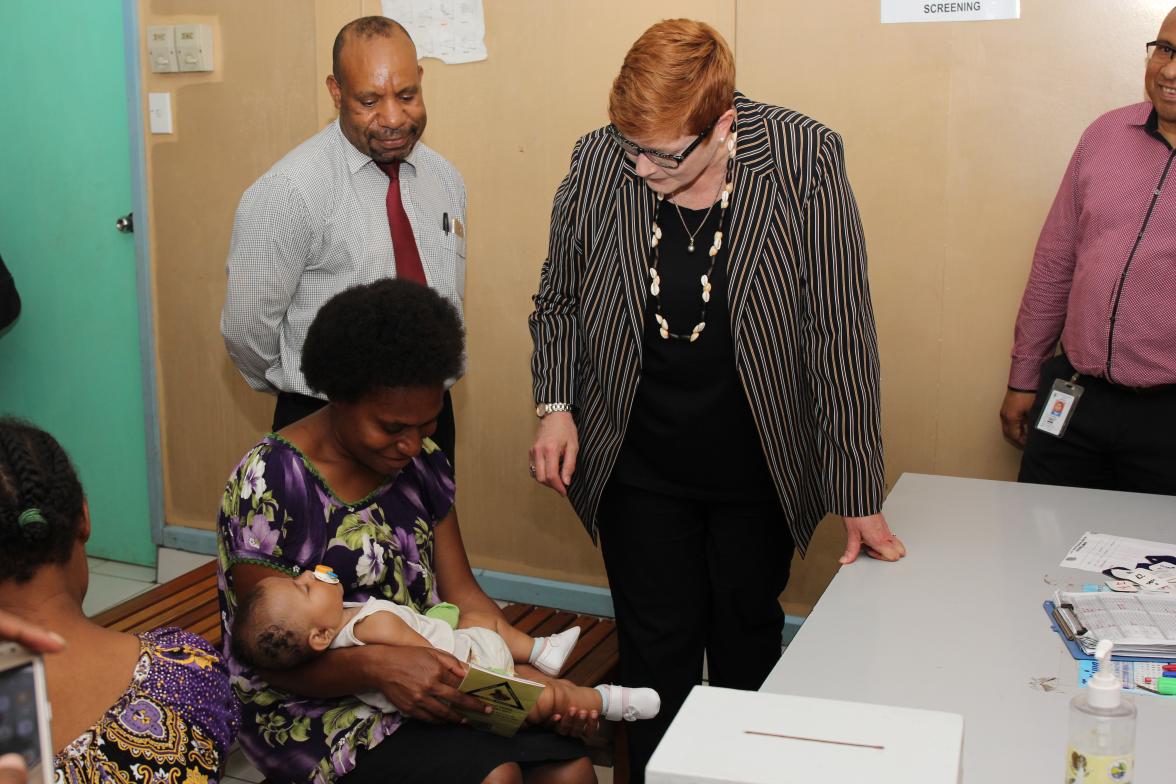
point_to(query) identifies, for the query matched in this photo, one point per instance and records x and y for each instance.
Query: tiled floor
(173, 563)
(112, 582)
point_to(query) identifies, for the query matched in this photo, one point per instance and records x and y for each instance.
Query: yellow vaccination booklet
(510, 696)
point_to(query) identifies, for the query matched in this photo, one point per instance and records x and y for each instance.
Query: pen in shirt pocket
(445, 222)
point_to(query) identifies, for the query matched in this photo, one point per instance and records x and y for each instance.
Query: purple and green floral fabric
(279, 512)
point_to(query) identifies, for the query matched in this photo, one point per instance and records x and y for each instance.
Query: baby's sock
(603, 689)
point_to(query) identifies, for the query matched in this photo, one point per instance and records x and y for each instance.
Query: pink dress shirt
(1104, 271)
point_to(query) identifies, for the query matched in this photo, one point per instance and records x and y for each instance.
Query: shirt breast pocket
(456, 245)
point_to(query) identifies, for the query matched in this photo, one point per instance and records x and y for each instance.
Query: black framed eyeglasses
(1160, 50)
(666, 160)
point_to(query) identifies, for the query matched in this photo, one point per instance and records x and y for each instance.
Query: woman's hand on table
(553, 455)
(421, 682)
(873, 534)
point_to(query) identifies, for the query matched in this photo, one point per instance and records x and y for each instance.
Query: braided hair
(40, 501)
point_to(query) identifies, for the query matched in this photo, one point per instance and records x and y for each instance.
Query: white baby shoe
(555, 651)
(631, 704)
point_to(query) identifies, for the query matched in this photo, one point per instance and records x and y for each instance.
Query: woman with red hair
(705, 363)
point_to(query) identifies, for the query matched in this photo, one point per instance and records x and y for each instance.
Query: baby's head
(284, 622)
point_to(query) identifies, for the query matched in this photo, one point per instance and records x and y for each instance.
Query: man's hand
(29, 635)
(553, 456)
(422, 682)
(873, 534)
(1014, 416)
(13, 770)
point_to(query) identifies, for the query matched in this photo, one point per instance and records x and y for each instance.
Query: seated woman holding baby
(359, 489)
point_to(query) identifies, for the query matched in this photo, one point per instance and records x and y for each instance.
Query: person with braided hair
(125, 707)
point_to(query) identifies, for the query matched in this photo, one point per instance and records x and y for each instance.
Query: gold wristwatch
(543, 409)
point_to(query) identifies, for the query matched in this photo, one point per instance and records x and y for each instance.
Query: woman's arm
(420, 682)
(455, 578)
(553, 325)
(840, 339)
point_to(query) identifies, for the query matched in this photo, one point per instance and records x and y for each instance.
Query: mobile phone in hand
(24, 711)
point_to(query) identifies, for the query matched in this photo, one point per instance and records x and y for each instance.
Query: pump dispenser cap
(1105, 689)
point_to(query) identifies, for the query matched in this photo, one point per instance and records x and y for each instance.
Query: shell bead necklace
(724, 198)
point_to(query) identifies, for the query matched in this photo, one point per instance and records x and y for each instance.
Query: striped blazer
(801, 319)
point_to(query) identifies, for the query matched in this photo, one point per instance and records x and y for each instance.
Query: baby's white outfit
(482, 647)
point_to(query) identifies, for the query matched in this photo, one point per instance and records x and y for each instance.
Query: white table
(907, 634)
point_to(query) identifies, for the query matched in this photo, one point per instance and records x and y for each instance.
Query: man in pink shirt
(1102, 413)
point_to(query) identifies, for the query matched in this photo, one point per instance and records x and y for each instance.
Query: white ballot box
(747, 737)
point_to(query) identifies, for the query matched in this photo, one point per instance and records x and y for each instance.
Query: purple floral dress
(278, 511)
(173, 725)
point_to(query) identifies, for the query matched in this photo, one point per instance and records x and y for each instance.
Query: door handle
(126, 224)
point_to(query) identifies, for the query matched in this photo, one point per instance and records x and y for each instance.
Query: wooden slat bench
(594, 660)
(190, 602)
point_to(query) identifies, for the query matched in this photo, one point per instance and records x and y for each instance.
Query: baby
(286, 622)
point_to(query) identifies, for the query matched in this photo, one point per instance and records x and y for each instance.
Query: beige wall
(956, 136)
(230, 126)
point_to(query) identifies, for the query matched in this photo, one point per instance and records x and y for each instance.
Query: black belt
(1159, 389)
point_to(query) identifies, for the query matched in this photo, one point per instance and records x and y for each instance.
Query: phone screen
(18, 714)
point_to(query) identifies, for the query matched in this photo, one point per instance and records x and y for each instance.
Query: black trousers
(292, 406)
(1118, 438)
(688, 577)
(420, 753)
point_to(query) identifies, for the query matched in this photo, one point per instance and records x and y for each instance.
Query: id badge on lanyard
(1059, 406)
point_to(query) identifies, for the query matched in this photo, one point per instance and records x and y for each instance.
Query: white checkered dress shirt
(316, 224)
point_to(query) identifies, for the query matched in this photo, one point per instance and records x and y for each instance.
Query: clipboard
(1052, 611)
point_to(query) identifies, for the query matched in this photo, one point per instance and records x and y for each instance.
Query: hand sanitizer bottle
(1102, 729)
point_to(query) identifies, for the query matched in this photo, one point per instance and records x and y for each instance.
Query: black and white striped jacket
(801, 318)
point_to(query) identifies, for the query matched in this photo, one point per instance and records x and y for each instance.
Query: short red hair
(677, 78)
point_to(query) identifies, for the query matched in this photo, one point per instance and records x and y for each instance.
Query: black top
(9, 299)
(691, 434)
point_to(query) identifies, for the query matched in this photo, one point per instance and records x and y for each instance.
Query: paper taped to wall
(453, 31)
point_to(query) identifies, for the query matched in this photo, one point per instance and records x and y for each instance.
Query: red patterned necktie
(404, 247)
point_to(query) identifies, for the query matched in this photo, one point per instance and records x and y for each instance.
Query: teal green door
(71, 363)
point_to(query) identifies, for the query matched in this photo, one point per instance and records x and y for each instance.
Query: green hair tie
(30, 516)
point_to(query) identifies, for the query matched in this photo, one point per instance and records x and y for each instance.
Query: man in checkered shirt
(318, 221)
(1100, 414)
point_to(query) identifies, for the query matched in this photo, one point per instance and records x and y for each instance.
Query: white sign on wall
(896, 11)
